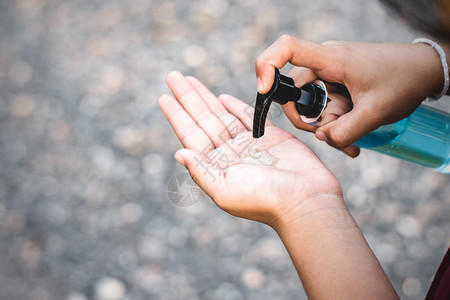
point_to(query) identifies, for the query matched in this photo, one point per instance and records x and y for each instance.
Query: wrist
(441, 51)
(426, 72)
(323, 211)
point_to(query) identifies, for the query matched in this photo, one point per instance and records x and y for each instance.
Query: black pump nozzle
(310, 100)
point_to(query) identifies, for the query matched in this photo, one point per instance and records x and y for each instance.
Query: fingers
(231, 123)
(339, 101)
(188, 132)
(209, 178)
(242, 111)
(302, 76)
(197, 109)
(352, 151)
(337, 105)
(326, 118)
(289, 49)
(295, 118)
(348, 128)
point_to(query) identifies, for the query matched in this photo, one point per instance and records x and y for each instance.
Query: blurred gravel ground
(86, 155)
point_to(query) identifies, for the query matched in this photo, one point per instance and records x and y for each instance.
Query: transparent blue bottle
(422, 138)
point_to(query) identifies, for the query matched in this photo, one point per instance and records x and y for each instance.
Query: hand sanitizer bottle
(422, 138)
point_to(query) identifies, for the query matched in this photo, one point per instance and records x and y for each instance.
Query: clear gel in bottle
(422, 138)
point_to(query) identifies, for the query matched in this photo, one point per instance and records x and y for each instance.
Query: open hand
(294, 193)
(216, 131)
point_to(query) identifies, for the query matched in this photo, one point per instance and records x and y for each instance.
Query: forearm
(332, 256)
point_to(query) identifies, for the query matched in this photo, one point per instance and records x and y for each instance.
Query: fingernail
(320, 135)
(179, 159)
(260, 85)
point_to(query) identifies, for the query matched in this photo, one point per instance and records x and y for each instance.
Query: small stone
(61, 132)
(76, 296)
(112, 80)
(129, 138)
(30, 5)
(98, 45)
(131, 212)
(22, 106)
(253, 278)
(153, 164)
(408, 227)
(109, 288)
(357, 195)
(411, 287)
(373, 177)
(103, 158)
(148, 278)
(195, 56)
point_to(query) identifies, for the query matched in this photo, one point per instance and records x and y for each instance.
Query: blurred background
(88, 177)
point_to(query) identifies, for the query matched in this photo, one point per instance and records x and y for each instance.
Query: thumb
(290, 49)
(207, 176)
(348, 128)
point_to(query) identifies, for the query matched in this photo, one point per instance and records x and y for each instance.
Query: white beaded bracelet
(441, 53)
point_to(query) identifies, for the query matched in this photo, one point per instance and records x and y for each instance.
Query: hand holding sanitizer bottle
(422, 138)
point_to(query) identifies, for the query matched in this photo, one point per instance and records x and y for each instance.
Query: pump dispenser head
(310, 100)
